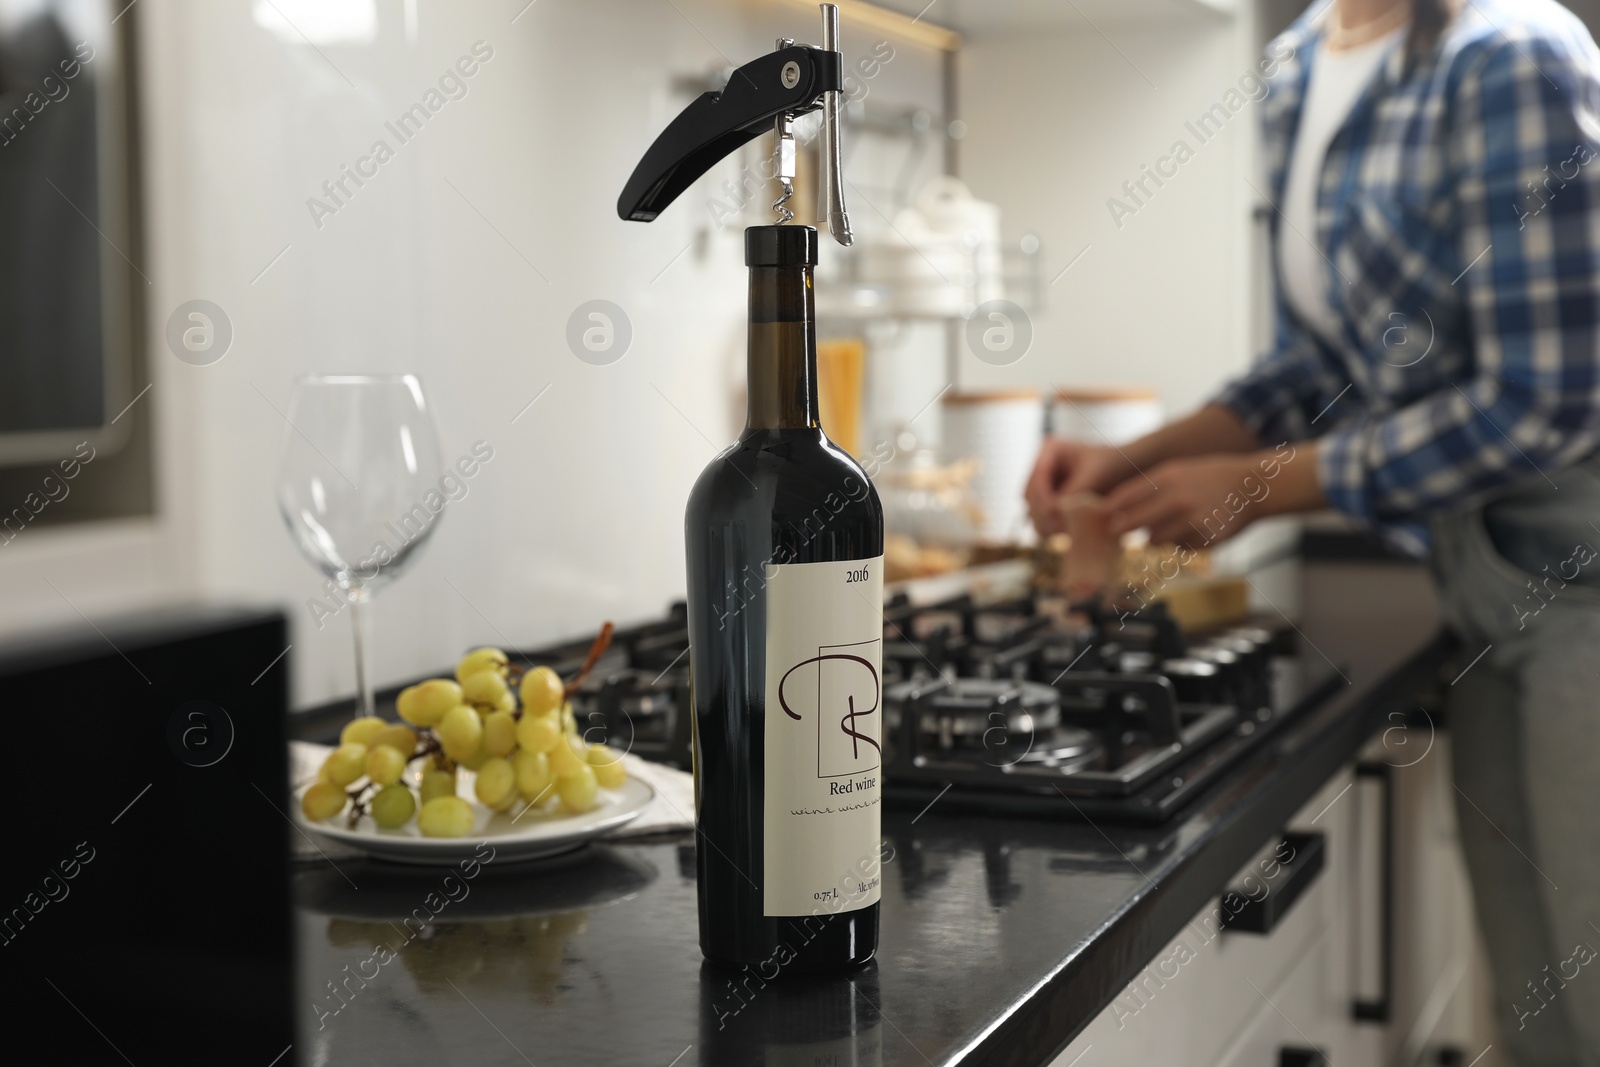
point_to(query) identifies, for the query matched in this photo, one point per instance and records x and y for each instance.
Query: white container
(1002, 431)
(942, 256)
(1100, 415)
(949, 207)
(926, 272)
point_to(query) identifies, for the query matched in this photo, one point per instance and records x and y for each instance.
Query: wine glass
(359, 486)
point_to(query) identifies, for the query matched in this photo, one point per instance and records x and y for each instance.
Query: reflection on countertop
(593, 957)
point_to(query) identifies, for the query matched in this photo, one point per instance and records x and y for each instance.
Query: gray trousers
(1521, 578)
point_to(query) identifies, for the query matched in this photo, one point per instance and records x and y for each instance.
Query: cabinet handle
(1379, 1008)
(1246, 915)
(1301, 1057)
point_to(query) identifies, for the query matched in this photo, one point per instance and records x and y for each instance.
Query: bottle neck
(782, 350)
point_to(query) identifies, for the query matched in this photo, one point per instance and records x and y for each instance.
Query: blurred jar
(1001, 431)
(841, 367)
(1105, 413)
(930, 519)
(930, 502)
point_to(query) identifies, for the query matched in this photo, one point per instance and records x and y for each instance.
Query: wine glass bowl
(359, 483)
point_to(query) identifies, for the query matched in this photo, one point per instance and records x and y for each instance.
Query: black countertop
(1002, 936)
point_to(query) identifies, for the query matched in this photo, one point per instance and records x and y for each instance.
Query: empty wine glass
(358, 486)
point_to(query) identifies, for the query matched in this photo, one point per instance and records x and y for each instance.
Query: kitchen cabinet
(1217, 1003)
(1271, 1031)
(1239, 999)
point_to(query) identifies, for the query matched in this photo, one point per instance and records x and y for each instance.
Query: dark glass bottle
(781, 498)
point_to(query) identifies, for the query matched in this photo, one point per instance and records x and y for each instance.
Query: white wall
(579, 516)
(1058, 121)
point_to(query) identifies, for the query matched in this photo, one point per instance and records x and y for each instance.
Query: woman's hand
(1201, 501)
(1065, 467)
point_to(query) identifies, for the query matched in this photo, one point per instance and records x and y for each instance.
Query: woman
(1436, 372)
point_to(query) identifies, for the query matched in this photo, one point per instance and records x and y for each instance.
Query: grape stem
(427, 746)
(602, 642)
(358, 802)
(430, 745)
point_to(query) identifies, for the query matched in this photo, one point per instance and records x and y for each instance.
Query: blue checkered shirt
(1459, 213)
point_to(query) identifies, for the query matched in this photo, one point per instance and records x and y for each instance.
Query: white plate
(512, 836)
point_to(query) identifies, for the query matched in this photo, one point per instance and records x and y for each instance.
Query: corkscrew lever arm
(830, 187)
(789, 82)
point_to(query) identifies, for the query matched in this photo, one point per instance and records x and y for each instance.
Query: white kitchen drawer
(1194, 999)
(1242, 966)
(1289, 1014)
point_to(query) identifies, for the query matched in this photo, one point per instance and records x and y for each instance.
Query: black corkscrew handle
(789, 82)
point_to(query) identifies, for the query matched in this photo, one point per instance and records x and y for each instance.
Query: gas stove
(636, 697)
(1019, 704)
(1035, 704)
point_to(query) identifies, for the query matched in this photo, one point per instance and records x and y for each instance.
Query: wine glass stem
(358, 626)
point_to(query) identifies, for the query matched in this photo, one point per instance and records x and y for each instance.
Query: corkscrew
(783, 164)
(766, 93)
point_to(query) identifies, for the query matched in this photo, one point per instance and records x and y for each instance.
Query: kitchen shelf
(980, 19)
(839, 300)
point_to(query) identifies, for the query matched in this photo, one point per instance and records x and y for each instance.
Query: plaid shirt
(1459, 211)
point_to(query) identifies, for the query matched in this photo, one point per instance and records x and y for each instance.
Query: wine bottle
(784, 535)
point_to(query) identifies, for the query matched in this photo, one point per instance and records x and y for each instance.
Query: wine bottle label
(823, 727)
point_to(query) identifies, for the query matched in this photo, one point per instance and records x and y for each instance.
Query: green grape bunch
(513, 727)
